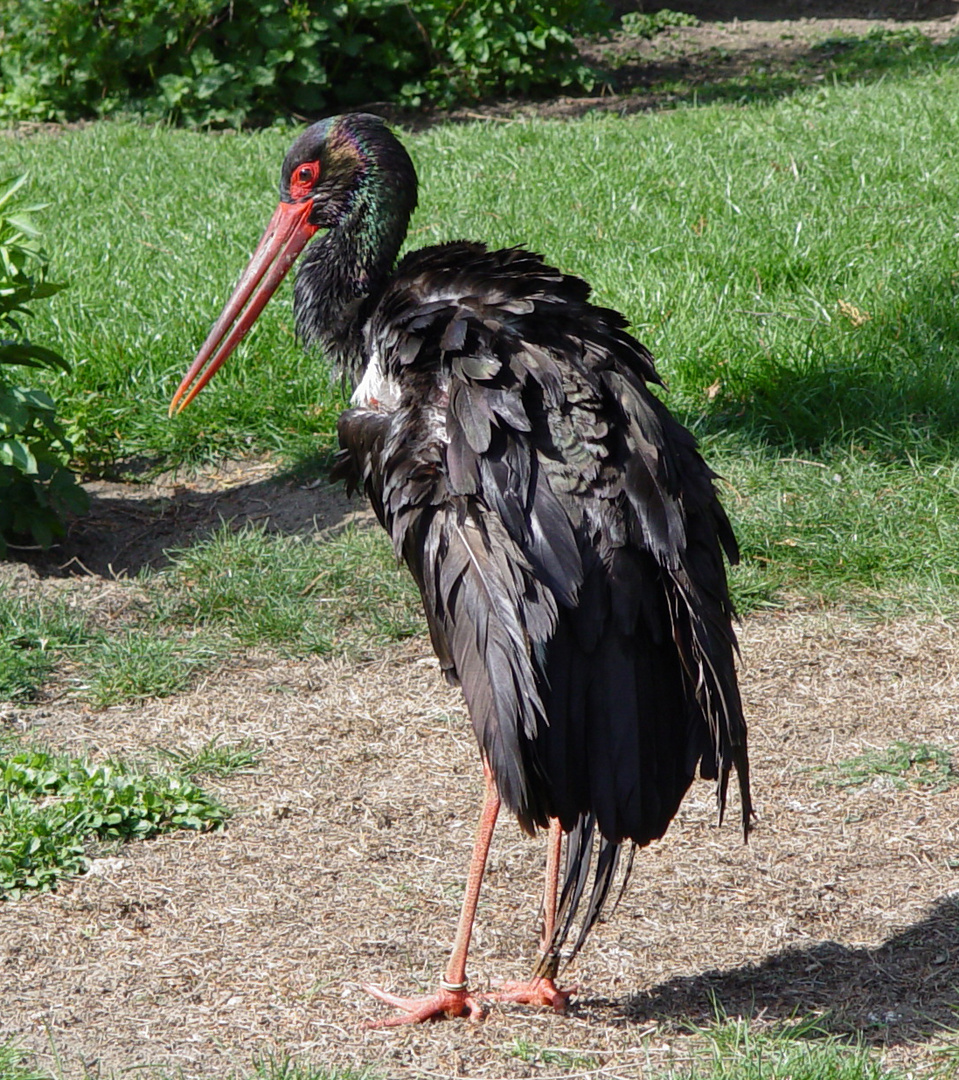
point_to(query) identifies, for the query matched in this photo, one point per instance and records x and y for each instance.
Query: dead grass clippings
(344, 865)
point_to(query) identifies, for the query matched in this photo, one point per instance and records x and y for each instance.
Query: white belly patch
(376, 390)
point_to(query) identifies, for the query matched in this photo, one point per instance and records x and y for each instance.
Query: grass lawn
(793, 265)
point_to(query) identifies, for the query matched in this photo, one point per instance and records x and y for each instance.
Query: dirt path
(345, 864)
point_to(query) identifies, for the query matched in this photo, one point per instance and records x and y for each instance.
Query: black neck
(344, 272)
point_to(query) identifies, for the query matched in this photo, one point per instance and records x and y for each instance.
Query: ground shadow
(130, 527)
(719, 61)
(904, 990)
(776, 10)
(758, 72)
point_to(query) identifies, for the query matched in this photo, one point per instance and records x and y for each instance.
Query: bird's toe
(542, 992)
(444, 1003)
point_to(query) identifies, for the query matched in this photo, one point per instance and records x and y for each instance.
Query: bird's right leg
(541, 988)
(453, 997)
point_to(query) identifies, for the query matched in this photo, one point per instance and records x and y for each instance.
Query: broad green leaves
(209, 62)
(36, 487)
(50, 804)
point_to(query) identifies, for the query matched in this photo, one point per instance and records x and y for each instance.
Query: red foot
(542, 991)
(448, 1003)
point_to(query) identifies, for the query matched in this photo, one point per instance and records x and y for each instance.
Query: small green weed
(902, 765)
(649, 24)
(32, 636)
(735, 1050)
(880, 50)
(22, 669)
(212, 759)
(532, 1054)
(139, 664)
(287, 1068)
(52, 804)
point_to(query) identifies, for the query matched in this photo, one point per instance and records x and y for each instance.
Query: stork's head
(349, 174)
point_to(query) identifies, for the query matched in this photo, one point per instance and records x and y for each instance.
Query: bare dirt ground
(344, 863)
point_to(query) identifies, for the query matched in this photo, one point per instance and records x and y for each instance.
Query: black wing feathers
(568, 543)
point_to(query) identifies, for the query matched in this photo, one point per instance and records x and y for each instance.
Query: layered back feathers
(567, 541)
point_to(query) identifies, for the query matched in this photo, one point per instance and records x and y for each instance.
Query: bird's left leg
(453, 997)
(541, 988)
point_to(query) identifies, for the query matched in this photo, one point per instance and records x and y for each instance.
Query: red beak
(284, 239)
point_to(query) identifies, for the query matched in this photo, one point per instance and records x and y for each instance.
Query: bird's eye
(304, 179)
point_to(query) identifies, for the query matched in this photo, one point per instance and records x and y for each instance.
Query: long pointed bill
(284, 239)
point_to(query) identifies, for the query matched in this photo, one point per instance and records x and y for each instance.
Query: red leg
(553, 850)
(453, 998)
(541, 988)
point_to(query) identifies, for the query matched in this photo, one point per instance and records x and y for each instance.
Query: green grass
(212, 759)
(553, 1057)
(288, 1068)
(727, 1050)
(294, 594)
(791, 262)
(133, 666)
(850, 526)
(243, 589)
(14, 1064)
(53, 805)
(734, 1050)
(32, 637)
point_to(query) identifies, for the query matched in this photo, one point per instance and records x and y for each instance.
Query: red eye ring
(304, 179)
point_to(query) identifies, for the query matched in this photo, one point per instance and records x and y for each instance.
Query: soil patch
(344, 863)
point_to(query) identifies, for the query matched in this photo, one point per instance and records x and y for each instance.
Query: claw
(540, 991)
(444, 1002)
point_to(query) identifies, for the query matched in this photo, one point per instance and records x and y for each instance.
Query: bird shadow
(903, 990)
(135, 526)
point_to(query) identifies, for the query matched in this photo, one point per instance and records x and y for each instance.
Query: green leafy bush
(210, 62)
(36, 486)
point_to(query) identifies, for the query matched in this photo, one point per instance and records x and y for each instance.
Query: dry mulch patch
(344, 865)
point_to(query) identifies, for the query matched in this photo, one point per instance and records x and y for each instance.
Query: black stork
(561, 525)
